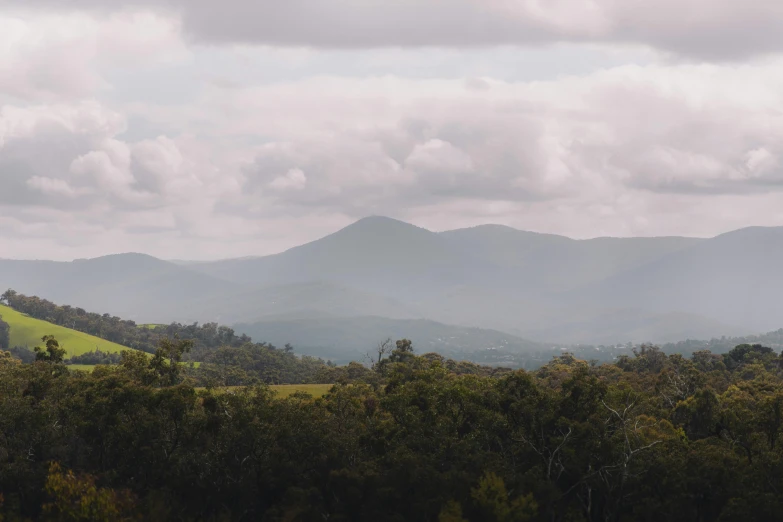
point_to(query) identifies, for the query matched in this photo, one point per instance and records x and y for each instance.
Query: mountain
(300, 300)
(146, 289)
(135, 286)
(733, 278)
(375, 254)
(490, 276)
(386, 255)
(544, 287)
(347, 339)
(550, 263)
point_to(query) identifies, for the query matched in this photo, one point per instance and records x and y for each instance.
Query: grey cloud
(21, 160)
(66, 159)
(694, 28)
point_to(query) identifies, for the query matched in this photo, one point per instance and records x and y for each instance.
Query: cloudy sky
(199, 129)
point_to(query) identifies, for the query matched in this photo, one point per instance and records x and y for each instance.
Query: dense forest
(650, 437)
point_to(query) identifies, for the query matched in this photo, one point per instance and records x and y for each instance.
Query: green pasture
(26, 331)
(316, 390)
(286, 390)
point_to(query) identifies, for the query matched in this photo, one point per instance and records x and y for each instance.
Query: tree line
(650, 437)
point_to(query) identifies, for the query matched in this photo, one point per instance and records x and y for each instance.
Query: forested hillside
(349, 338)
(652, 437)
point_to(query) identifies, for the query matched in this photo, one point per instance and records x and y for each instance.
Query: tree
(7, 297)
(491, 502)
(381, 351)
(403, 351)
(748, 353)
(167, 359)
(51, 352)
(7, 358)
(5, 335)
(77, 498)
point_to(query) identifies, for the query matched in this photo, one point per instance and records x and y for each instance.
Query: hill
(375, 254)
(305, 299)
(133, 286)
(548, 262)
(347, 339)
(733, 278)
(26, 331)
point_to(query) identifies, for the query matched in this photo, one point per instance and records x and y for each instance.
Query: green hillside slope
(26, 331)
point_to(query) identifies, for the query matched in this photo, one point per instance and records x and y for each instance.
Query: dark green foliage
(5, 335)
(50, 352)
(259, 363)
(23, 353)
(96, 357)
(651, 438)
(746, 353)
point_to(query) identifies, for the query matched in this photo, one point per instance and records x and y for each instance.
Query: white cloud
(438, 155)
(51, 186)
(294, 179)
(58, 56)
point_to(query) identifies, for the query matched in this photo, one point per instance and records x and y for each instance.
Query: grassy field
(150, 326)
(26, 331)
(316, 390)
(82, 367)
(286, 390)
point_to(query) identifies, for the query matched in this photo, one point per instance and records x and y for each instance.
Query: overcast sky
(198, 129)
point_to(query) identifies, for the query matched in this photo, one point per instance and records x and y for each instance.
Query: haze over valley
(384, 277)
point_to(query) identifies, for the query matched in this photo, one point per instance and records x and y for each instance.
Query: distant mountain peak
(127, 255)
(381, 221)
(756, 232)
(498, 228)
(377, 227)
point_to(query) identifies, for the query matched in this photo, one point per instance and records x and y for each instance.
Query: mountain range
(542, 287)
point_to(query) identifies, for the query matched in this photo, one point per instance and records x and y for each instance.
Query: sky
(194, 129)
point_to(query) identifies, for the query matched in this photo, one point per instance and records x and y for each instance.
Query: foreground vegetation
(651, 437)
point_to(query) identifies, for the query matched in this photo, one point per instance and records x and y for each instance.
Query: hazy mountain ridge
(536, 286)
(346, 339)
(733, 278)
(135, 286)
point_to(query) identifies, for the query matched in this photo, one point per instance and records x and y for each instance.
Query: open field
(82, 367)
(286, 390)
(316, 390)
(151, 326)
(26, 331)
